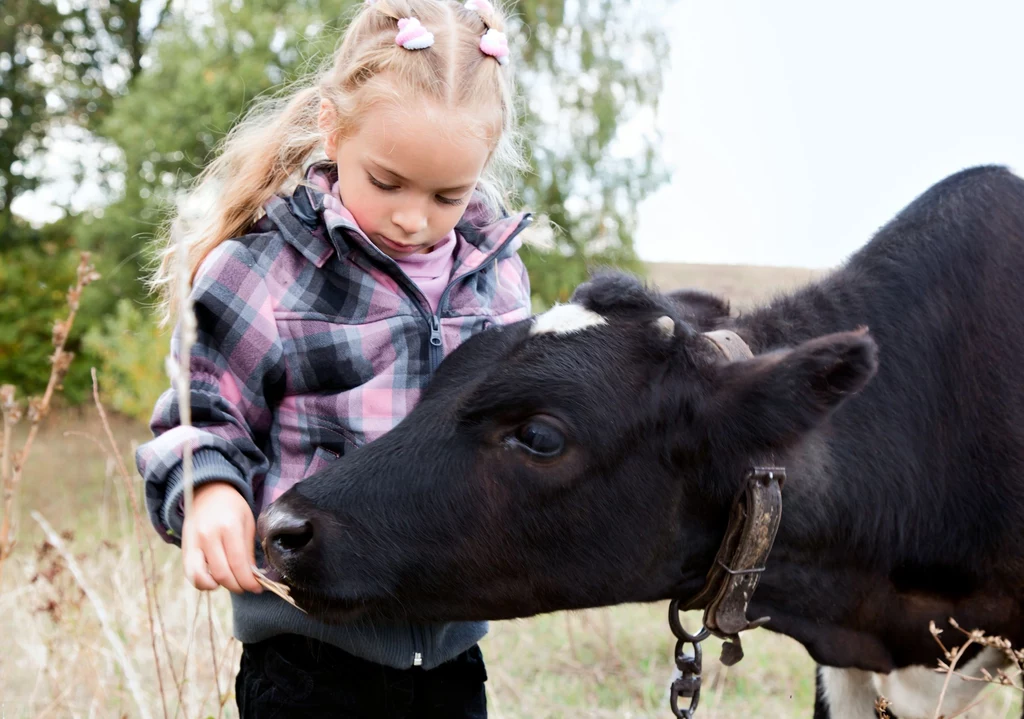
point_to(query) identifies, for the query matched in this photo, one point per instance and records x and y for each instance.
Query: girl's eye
(449, 201)
(380, 185)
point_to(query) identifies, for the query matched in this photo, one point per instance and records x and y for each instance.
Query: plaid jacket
(312, 341)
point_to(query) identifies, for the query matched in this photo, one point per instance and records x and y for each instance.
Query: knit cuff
(208, 465)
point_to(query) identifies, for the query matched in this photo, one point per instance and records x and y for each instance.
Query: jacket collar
(479, 233)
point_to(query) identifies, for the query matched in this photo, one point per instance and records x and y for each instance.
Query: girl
(322, 312)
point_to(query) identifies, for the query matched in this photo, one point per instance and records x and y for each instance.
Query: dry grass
(59, 663)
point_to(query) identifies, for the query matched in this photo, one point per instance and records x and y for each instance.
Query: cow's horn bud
(666, 325)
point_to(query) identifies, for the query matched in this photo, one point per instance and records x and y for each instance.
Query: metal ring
(696, 659)
(686, 713)
(676, 624)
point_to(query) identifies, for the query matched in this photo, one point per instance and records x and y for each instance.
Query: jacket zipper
(417, 648)
(436, 343)
(437, 354)
(433, 319)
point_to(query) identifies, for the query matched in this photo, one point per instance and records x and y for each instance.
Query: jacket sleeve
(236, 376)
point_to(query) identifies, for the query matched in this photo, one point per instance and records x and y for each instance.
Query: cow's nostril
(283, 532)
(291, 538)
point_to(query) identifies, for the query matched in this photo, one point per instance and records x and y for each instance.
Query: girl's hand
(217, 540)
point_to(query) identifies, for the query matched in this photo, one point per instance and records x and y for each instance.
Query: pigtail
(492, 19)
(259, 156)
(384, 8)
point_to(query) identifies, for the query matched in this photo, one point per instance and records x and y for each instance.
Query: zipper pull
(435, 331)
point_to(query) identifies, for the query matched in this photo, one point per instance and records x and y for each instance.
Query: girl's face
(406, 176)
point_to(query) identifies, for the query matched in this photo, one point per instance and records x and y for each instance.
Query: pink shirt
(432, 270)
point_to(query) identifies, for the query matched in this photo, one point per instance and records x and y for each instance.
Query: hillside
(742, 285)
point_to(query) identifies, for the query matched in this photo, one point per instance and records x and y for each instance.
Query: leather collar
(749, 537)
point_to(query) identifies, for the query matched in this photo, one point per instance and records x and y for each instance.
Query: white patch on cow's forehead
(566, 319)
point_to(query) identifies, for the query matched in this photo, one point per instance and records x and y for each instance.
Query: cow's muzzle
(286, 536)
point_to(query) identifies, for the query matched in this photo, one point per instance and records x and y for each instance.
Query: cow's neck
(835, 580)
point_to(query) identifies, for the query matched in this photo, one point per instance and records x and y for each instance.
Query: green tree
(133, 374)
(201, 79)
(588, 70)
(61, 63)
(162, 98)
(62, 66)
(593, 72)
(34, 282)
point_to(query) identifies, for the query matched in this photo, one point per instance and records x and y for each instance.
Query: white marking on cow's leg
(914, 691)
(566, 319)
(849, 693)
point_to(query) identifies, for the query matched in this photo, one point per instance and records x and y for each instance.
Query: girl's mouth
(395, 247)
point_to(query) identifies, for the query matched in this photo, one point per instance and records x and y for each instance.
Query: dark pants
(292, 676)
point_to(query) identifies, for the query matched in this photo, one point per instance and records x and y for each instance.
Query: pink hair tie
(495, 44)
(480, 6)
(412, 35)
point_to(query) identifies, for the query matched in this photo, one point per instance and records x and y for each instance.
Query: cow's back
(929, 459)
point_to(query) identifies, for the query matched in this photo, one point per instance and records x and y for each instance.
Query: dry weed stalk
(11, 466)
(59, 598)
(213, 654)
(148, 569)
(954, 655)
(130, 673)
(229, 647)
(180, 375)
(149, 575)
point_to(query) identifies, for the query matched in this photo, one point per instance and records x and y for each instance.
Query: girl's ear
(327, 121)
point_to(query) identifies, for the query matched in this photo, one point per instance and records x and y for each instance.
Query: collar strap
(730, 345)
(736, 571)
(749, 537)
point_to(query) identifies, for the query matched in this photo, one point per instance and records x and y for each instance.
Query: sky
(796, 129)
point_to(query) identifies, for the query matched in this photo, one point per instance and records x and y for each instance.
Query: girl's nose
(410, 220)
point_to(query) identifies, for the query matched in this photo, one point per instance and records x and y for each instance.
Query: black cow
(590, 457)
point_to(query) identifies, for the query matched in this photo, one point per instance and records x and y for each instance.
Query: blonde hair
(265, 152)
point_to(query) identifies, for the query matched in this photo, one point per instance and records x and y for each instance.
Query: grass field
(57, 661)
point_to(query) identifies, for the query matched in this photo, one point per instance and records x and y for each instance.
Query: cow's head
(585, 457)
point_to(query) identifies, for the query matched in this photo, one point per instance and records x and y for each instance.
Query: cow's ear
(702, 310)
(769, 402)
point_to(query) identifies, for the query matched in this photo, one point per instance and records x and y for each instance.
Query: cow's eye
(540, 437)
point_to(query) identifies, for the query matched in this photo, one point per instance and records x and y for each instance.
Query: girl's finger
(219, 567)
(196, 571)
(241, 562)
